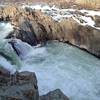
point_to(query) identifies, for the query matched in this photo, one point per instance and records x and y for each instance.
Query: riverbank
(77, 27)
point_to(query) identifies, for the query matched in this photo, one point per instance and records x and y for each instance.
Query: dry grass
(83, 3)
(89, 3)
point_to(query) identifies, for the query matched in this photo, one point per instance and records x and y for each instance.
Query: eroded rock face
(54, 95)
(84, 37)
(23, 86)
(68, 30)
(33, 27)
(20, 86)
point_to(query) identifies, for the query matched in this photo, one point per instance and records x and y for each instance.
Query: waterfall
(57, 65)
(5, 29)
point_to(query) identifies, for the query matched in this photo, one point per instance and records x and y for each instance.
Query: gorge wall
(34, 27)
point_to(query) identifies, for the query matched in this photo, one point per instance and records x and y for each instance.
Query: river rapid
(57, 65)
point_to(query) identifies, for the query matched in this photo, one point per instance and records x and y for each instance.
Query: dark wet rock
(23, 86)
(3, 76)
(19, 86)
(28, 28)
(54, 95)
(4, 72)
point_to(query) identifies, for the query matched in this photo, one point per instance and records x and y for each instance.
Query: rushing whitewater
(62, 66)
(5, 29)
(57, 65)
(82, 16)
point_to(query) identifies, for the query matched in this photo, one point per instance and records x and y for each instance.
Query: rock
(7, 13)
(97, 21)
(29, 30)
(3, 75)
(35, 27)
(23, 86)
(20, 86)
(54, 95)
(4, 72)
(84, 37)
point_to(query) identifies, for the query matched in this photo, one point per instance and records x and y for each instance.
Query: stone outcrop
(23, 86)
(20, 86)
(84, 37)
(54, 95)
(34, 27)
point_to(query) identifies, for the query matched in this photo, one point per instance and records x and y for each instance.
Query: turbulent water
(57, 65)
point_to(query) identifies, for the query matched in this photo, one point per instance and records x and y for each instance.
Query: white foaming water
(59, 65)
(58, 14)
(8, 57)
(22, 48)
(7, 65)
(5, 29)
(90, 12)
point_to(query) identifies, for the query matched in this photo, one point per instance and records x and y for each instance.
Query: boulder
(4, 72)
(28, 28)
(84, 37)
(35, 27)
(19, 86)
(54, 95)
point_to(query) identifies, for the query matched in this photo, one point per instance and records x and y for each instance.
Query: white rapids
(5, 29)
(83, 17)
(59, 65)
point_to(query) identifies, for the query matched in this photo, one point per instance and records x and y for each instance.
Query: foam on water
(58, 65)
(7, 65)
(8, 57)
(57, 14)
(62, 66)
(90, 12)
(5, 29)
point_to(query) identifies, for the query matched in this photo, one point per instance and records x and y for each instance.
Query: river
(57, 65)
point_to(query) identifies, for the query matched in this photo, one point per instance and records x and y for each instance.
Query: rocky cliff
(33, 27)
